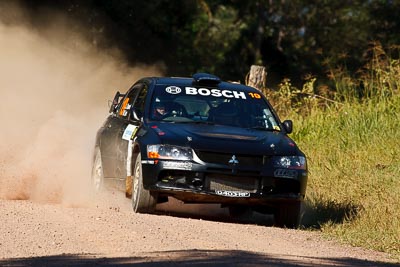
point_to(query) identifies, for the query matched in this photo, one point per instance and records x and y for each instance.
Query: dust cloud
(54, 89)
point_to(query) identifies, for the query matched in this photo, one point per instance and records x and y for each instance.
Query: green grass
(354, 164)
(351, 136)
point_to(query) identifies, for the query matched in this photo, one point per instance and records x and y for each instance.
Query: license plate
(232, 193)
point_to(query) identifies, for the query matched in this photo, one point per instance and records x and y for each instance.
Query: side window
(139, 103)
(128, 100)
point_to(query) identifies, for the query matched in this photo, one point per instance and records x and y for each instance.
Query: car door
(127, 125)
(108, 135)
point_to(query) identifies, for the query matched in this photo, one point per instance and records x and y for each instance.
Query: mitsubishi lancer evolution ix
(200, 140)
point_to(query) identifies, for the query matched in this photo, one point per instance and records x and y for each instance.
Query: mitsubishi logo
(233, 160)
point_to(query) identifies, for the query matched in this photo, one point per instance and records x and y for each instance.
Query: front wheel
(288, 215)
(97, 178)
(143, 201)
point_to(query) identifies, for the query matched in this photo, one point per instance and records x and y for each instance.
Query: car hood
(227, 139)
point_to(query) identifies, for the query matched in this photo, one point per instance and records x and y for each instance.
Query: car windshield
(212, 106)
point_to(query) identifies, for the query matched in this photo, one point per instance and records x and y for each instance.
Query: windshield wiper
(198, 122)
(262, 128)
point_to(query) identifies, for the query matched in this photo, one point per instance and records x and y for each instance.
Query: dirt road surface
(107, 233)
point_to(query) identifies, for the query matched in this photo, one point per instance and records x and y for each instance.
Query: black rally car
(200, 140)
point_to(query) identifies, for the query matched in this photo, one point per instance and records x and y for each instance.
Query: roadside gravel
(106, 232)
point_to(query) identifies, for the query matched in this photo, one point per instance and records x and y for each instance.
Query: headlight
(290, 162)
(169, 152)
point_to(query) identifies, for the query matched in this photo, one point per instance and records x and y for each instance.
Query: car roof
(215, 82)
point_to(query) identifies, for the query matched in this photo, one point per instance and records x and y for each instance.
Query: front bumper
(194, 182)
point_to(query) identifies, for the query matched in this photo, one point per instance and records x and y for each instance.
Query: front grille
(239, 172)
(231, 183)
(224, 158)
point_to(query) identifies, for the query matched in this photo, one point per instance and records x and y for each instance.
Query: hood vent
(206, 79)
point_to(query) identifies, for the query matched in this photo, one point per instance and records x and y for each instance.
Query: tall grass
(351, 135)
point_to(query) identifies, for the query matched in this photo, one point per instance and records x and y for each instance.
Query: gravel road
(105, 232)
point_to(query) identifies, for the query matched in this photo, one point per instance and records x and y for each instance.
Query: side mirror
(114, 104)
(288, 125)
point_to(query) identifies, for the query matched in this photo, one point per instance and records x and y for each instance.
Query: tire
(128, 186)
(143, 201)
(97, 177)
(288, 215)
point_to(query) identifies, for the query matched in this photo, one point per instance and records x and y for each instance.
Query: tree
(291, 38)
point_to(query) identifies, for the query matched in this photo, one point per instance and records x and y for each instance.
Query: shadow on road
(319, 211)
(314, 213)
(211, 212)
(191, 258)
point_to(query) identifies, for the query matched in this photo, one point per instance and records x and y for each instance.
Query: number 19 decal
(255, 95)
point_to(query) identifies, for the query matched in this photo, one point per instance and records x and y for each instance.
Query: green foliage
(210, 39)
(353, 156)
(291, 38)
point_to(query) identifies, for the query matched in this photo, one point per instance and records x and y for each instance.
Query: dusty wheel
(128, 187)
(143, 201)
(288, 215)
(97, 178)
